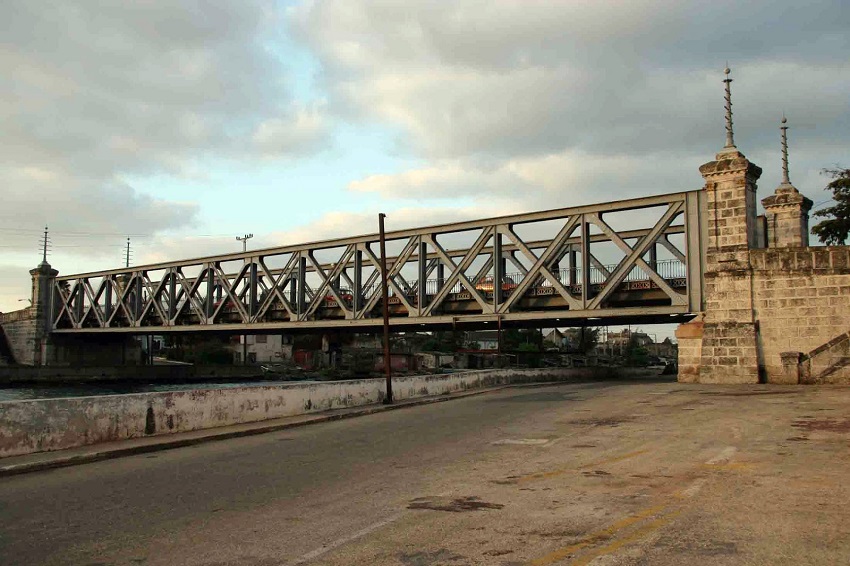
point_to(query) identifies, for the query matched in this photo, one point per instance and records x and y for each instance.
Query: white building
(263, 348)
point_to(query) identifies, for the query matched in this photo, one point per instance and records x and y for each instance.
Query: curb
(165, 443)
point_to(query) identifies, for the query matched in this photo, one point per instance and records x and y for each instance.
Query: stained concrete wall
(55, 424)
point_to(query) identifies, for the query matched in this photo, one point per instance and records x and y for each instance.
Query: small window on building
(262, 339)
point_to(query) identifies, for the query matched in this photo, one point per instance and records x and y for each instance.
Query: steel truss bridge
(627, 261)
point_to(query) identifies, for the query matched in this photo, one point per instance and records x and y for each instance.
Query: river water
(94, 389)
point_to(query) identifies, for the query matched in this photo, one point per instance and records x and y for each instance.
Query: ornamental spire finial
(44, 243)
(730, 138)
(784, 128)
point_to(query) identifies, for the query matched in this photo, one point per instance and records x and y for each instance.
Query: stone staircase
(828, 363)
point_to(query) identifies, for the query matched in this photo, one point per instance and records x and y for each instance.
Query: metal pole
(385, 296)
(244, 241)
(499, 341)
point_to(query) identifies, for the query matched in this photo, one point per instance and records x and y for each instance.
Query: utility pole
(385, 296)
(244, 239)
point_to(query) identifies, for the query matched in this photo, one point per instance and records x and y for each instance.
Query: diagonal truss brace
(540, 265)
(634, 257)
(458, 270)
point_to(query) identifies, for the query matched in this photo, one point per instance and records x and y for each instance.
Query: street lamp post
(385, 295)
(244, 239)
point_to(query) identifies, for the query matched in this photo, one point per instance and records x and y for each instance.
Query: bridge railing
(668, 269)
(640, 257)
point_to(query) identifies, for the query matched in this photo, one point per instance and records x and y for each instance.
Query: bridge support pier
(777, 314)
(723, 347)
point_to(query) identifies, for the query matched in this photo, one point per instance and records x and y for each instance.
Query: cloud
(304, 131)
(15, 288)
(97, 95)
(444, 180)
(576, 99)
(549, 181)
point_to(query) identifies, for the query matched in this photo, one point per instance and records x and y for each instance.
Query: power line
(101, 234)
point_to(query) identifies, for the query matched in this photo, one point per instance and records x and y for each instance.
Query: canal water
(93, 389)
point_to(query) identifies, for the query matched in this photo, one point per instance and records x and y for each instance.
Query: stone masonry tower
(786, 209)
(43, 278)
(27, 331)
(725, 342)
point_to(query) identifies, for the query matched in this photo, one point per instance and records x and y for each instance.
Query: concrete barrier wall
(130, 373)
(42, 425)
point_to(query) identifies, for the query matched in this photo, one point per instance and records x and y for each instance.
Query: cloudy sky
(184, 124)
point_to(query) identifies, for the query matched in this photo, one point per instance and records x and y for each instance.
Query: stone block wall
(731, 198)
(23, 336)
(689, 337)
(778, 315)
(729, 353)
(802, 303)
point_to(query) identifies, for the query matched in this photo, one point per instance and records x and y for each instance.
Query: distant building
(666, 349)
(616, 344)
(559, 339)
(486, 339)
(262, 348)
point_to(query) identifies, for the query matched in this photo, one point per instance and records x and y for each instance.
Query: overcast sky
(184, 124)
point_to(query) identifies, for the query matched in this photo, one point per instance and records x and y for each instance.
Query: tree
(450, 341)
(835, 230)
(588, 339)
(512, 338)
(636, 354)
(582, 340)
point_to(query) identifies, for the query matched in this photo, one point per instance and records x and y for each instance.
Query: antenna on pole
(244, 239)
(730, 137)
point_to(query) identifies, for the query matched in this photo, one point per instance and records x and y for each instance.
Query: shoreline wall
(42, 425)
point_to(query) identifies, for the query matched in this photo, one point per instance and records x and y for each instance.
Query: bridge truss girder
(334, 284)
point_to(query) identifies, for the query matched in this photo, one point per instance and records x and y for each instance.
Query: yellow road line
(615, 459)
(598, 536)
(562, 471)
(640, 533)
(730, 466)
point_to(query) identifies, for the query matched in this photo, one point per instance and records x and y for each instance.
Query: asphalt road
(609, 473)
